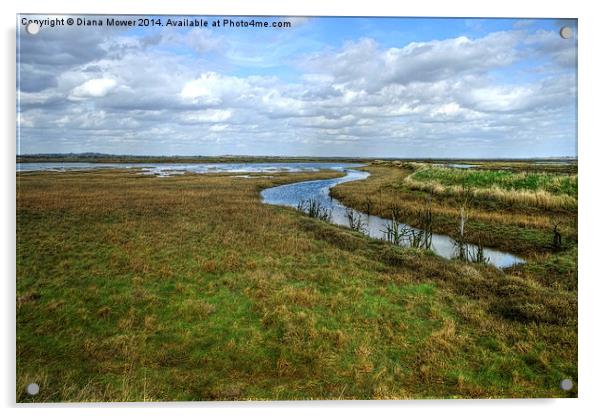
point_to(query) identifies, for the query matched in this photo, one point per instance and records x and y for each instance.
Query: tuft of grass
(355, 220)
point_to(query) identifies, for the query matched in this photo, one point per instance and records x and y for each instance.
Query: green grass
(508, 180)
(522, 229)
(136, 288)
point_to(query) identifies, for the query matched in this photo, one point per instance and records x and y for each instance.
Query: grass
(138, 288)
(523, 229)
(518, 181)
(538, 189)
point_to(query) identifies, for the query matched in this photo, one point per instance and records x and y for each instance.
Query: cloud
(54, 50)
(93, 88)
(207, 116)
(212, 89)
(218, 127)
(34, 79)
(202, 91)
(550, 45)
(202, 40)
(367, 66)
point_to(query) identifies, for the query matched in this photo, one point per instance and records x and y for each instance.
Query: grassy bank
(137, 288)
(524, 189)
(502, 208)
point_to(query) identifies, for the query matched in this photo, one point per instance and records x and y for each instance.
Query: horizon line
(99, 154)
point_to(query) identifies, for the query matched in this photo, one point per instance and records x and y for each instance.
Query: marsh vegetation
(315, 209)
(530, 189)
(137, 288)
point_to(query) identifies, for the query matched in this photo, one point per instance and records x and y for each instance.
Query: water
(456, 165)
(169, 169)
(460, 166)
(292, 194)
(62, 167)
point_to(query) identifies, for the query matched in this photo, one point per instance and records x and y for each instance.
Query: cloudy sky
(368, 87)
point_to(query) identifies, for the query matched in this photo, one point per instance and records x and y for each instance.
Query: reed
(355, 220)
(315, 209)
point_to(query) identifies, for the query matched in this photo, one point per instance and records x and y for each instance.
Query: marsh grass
(398, 233)
(136, 288)
(529, 181)
(474, 253)
(539, 189)
(520, 229)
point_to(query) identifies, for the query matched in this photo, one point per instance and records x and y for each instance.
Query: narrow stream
(293, 194)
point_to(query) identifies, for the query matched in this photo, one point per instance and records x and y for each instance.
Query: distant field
(138, 288)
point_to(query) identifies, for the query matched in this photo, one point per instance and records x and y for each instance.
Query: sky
(350, 87)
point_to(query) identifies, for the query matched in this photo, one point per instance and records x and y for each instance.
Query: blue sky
(365, 87)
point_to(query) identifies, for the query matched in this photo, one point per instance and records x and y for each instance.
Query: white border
(589, 161)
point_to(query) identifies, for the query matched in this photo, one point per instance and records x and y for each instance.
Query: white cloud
(202, 40)
(218, 127)
(212, 88)
(24, 121)
(500, 98)
(447, 109)
(93, 88)
(207, 116)
(364, 65)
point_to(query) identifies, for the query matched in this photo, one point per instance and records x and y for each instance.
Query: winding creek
(291, 195)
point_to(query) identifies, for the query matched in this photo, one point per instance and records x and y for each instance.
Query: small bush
(355, 220)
